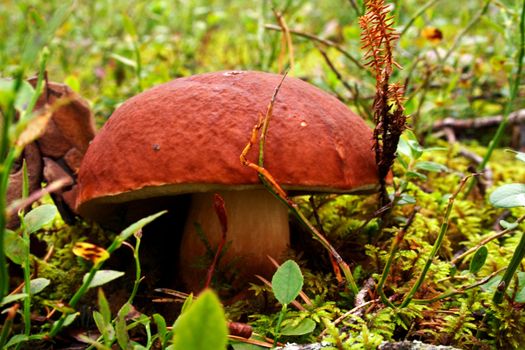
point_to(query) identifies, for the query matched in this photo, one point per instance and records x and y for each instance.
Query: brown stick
(479, 122)
(322, 41)
(286, 42)
(22, 203)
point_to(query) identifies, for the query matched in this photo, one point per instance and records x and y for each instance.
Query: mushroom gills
(257, 226)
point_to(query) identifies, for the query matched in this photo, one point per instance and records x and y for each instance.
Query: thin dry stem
(286, 42)
(268, 180)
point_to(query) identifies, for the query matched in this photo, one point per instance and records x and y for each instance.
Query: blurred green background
(108, 50)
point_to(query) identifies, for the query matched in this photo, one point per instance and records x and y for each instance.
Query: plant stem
(278, 325)
(83, 288)
(274, 188)
(514, 89)
(5, 167)
(117, 242)
(27, 259)
(8, 323)
(393, 249)
(138, 269)
(465, 30)
(487, 240)
(138, 61)
(437, 244)
(322, 41)
(515, 262)
(422, 9)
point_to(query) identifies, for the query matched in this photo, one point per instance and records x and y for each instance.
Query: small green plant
(17, 250)
(95, 276)
(287, 282)
(118, 330)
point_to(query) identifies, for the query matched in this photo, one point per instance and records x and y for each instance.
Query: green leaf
(287, 282)
(520, 156)
(508, 196)
(406, 199)
(479, 259)
(430, 166)
(23, 97)
(492, 284)
(130, 230)
(403, 163)
(39, 217)
(105, 328)
(103, 306)
(16, 339)
(73, 82)
(162, 330)
(187, 303)
(404, 148)
(38, 284)
(520, 295)
(306, 326)
(121, 327)
(16, 247)
(129, 26)
(415, 149)
(202, 326)
(13, 297)
(124, 60)
(102, 277)
(508, 225)
(413, 174)
(70, 318)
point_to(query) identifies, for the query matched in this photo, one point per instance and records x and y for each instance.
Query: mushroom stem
(257, 227)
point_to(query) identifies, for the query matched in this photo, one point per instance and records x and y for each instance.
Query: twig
(465, 30)
(487, 174)
(52, 187)
(348, 313)
(272, 185)
(365, 290)
(437, 245)
(354, 92)
(286, 42)
(514, 90)
(335, 267)
(422, 9)
(336, 71)
(486, 240)
(354, 6)
(264, 344)
(393, 249)
(459, 291)
(516, 117)
(319, 40)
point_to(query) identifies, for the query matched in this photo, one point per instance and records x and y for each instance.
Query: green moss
(61, 266)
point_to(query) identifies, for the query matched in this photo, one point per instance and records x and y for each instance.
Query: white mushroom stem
(257, 227)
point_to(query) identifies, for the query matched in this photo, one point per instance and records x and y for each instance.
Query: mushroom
(186, 136)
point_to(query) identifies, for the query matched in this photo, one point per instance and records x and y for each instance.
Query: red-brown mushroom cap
(187, 135)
